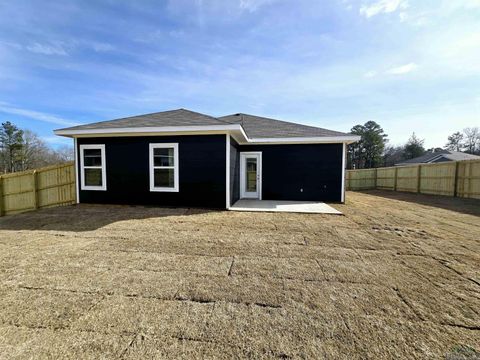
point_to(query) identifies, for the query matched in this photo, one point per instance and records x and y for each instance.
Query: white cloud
(404, 69)
(382, 6)
(254, 5)
(44, 49)
(102, 47)
(36, 115)
(370, 74)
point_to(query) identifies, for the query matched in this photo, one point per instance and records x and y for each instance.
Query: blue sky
(409, 65)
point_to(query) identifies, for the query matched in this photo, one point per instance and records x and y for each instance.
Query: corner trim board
(227, 180)
(344, 154)
(77, 184)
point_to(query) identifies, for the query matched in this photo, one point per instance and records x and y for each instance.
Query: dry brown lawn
(397, 277)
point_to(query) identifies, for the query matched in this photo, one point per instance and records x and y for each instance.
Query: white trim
(232, 129)
(103, 167)
(153, 146)
(77, 185)
(148, 129)
(299, 140)
(243, 155)
(344, 154)
(439, 156)
(227, 180)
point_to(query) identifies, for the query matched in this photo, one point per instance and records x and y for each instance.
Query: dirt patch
(393, 278)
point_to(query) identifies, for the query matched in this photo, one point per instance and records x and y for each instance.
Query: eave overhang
(235, 130)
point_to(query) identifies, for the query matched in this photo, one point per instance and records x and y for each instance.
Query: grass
(396, 277)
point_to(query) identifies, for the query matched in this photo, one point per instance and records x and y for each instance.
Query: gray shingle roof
(254, 126)
(447, 155)
(179, 117)
(262, 127)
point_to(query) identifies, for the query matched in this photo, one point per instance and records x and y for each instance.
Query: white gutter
(147, 129)
(191, 130)
(320, 139)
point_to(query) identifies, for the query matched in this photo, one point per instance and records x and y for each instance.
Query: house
(184, 158)
(439, 156)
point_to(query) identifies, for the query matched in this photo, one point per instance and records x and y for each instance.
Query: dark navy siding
(234, 171)
(202, 172)
(287, 169)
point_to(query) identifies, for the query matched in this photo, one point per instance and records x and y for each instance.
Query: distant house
(184, 158)
(439, 156)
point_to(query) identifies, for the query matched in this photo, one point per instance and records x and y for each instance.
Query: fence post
(1, 196)
(455, 179)
(419, 174)
(395, 179)
(35, 193)
(375, 180)
(470, 178)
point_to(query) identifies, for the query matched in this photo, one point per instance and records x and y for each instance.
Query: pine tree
(11, 144)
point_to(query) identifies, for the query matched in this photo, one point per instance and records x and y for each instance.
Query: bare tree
(471, 143)
(34, 151)
(64, 153)
(23, 150)
(393, 155)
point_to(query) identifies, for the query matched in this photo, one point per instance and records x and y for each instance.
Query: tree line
(374, 151)
(23, 150)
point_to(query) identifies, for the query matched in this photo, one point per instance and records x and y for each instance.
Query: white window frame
(174, 167)
(100, 147)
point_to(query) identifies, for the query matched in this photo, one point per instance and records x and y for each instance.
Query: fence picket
(36, 189)
(459, 178)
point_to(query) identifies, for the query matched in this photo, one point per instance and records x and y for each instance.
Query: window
(92, 167)
(164, 167)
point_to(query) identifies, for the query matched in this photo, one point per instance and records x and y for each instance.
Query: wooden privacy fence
(35, 189)
(455, 178)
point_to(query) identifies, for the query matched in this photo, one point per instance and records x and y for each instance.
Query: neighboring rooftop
(253, 126)
(440, 156)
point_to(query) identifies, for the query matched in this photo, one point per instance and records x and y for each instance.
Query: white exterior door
(251, 175)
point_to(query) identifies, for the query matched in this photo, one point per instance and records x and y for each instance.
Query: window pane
(251, 180)
(163, 157)
(164, 178)
(92, 157)
(93, 177)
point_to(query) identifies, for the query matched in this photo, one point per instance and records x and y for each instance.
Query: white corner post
(75, 154)
(344, 157)
(227, 164)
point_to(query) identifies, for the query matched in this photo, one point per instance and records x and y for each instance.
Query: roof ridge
(282, 121)
(148, 114)
(199, 113)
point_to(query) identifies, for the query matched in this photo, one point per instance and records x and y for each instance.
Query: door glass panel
(251, 174)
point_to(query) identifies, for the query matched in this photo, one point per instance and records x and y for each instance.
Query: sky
(411, 66)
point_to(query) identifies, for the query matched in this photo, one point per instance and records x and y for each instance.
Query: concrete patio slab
(311, 207)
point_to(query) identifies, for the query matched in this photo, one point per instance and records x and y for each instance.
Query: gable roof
(445, 155)
(243, 127)
(262, 127)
